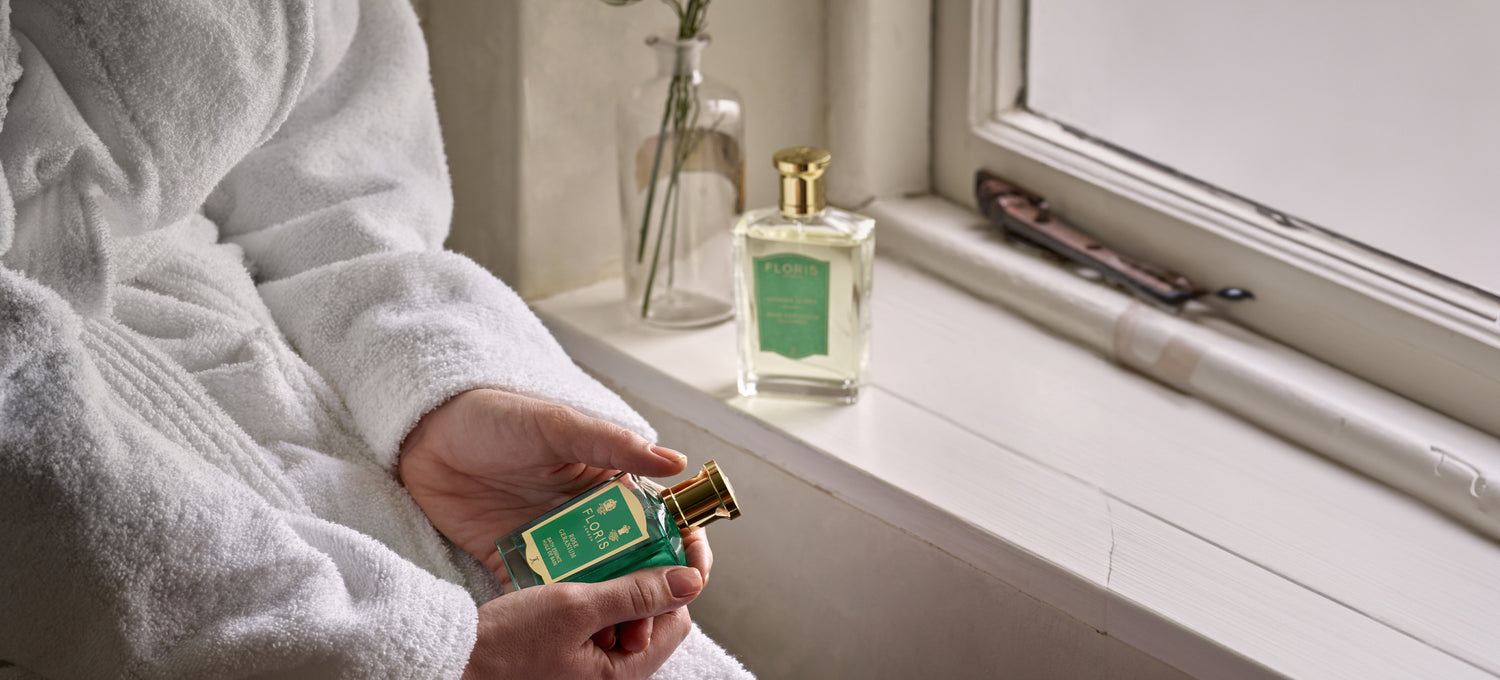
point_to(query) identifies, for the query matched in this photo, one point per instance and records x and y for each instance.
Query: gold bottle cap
(801, 169)
(700, 500)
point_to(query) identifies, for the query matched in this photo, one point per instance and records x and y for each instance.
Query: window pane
(1379, 120)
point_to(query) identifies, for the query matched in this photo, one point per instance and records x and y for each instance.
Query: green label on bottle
(586, 533)
(791, 298)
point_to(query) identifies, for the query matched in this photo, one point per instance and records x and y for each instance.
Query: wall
(526, 92)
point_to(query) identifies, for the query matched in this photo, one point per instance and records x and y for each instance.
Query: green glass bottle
(623, 524)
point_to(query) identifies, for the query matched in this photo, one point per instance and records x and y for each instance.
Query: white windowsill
(1148, 515)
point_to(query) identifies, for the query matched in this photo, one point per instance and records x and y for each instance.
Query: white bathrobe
(223, 303)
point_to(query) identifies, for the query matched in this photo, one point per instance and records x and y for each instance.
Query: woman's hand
(545, 632)
(487, 462)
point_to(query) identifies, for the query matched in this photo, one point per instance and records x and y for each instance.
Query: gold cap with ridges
(801, 169)
(702, 499)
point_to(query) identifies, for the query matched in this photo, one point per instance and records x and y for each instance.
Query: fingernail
(684, 582)
(669, 454)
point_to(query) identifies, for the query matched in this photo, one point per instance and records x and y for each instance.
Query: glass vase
(682, 184)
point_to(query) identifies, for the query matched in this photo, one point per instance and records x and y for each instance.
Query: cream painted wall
(526, 92)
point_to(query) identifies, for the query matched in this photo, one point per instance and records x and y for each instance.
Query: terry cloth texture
(223, 303)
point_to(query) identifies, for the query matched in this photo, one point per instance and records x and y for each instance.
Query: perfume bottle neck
(802, 195)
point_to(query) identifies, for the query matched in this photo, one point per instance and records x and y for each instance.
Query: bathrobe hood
(134, 112)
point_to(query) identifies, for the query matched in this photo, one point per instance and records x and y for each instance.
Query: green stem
(672, 247)
(661, 140)
(684, 113)
(691, 137)
(681, 113)
(656, 256)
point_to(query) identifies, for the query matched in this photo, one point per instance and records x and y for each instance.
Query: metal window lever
(1024, 216)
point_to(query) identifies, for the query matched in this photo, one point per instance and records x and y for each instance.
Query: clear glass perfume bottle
(802, 288)
(621, 525)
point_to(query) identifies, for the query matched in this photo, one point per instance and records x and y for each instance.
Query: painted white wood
(997, 71)
(807, 585)
(1273, 503)
(1395, 327)
(1451, 466)
(1253, 554)
(1222, 596)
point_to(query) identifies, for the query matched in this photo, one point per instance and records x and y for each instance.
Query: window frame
(1411, 331)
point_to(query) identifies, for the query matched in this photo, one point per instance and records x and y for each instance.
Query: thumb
(645, 594)
(603, 444)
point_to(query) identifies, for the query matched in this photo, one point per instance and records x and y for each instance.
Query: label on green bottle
(591, 530)
(791, 299)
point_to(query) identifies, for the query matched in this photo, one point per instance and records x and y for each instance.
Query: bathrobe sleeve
(342, 214)
(128, 556)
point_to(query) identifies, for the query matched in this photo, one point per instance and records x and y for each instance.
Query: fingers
(545, 631)
(602, 444)
(635, 636)
(699, 555)
(668, 631)
(607, 638)
(643, 594)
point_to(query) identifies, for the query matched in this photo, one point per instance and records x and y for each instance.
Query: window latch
(1023, 216)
